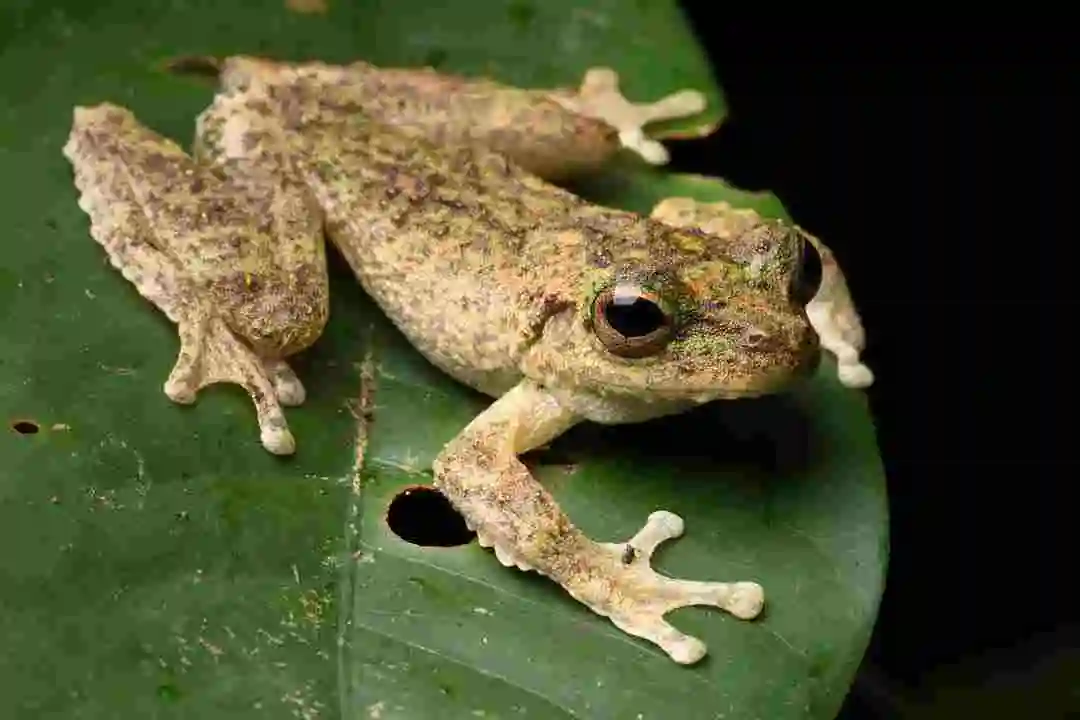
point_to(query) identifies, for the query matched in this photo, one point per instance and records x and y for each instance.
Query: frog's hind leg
(209, 352)
(599, 97)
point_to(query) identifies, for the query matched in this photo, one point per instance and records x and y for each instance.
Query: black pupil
(634, 318)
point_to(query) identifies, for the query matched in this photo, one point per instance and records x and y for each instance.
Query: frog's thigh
(479, 471)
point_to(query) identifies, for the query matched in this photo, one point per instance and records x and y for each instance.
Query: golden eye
(632, 321)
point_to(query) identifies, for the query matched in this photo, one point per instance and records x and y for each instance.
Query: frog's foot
(645, 596)
(840, 332)
(834, 318)
(624, 588)
(599, 97)
(210, 353)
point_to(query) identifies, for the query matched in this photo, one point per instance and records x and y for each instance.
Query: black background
(939, 168)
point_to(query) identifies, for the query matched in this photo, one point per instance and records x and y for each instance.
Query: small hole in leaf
(25, 427)
(423, 516)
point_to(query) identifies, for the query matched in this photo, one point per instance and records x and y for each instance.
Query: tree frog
(438, 192)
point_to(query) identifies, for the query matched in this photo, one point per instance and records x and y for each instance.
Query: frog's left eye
(632, 321)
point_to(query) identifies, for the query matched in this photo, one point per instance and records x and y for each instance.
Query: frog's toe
(855, 375)
(227, 360)
(179, 390)
(183, 382)
(278, 440)
(680, 647)
(288, 388)
(290, 394)
(645, 618)
(645, 596)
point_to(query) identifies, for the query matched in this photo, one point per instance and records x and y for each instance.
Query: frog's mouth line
(754, 386)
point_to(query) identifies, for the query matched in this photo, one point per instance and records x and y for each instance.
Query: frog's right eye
(631, 321)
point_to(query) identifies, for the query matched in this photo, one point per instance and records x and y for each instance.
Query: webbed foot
(623, 587)
(646, 595)
(210, 353)
(599, 97)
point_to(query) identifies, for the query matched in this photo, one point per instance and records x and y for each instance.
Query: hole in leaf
(423, 516)
(25, 427)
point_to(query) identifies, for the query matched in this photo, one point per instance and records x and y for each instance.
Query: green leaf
(159, 563)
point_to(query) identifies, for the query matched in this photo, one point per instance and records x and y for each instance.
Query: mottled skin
(231, 252)
(831, 312)
(555, 133)
(508, 284)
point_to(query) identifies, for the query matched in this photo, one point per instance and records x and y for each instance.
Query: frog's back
(468, 254)
(449, 242)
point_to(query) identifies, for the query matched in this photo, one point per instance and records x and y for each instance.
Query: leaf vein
(462, 663)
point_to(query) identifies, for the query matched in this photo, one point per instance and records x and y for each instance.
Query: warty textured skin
(490, 271)
(831, 311)
(231, 253)
(248, 239)
(527, 125)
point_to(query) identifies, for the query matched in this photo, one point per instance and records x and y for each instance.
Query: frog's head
(704, 318)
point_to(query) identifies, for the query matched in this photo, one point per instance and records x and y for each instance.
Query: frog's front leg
(831, 311)
(479, 471)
